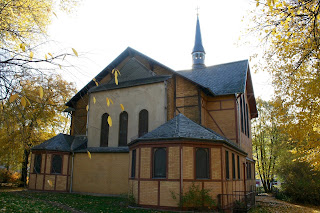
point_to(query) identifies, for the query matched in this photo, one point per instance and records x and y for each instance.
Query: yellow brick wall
(215, 163)
(61, 183)
(51, 179)
(145, 162)
(215, 189)
(39, 182)
(166, 188)
(149, 192)
(43, 161)
(188, 163)
(133, 189)
(32, 181)
(174, 163)
(105, 173)
(65, 164)
(48, 166)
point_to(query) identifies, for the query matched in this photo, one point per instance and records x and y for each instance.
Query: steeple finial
(198, 53)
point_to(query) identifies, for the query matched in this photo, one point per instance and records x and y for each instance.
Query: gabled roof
(129, 52)
(222, 79)
(63, 143)
(181, 127)
(198, 47)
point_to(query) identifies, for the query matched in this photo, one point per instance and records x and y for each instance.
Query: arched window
(56, 164)
(143, 122)
(202, 163)
(160, 163)
(104, 135)
(123, 128)
(37, 163)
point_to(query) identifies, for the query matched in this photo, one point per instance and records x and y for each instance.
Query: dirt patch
(267, 203)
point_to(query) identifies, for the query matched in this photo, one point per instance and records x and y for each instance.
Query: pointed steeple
(198, 53)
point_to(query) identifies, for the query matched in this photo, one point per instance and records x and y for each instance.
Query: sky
(164, 30)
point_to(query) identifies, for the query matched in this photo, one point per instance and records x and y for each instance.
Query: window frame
(207, 175)
(154, 161)
(104, 141)
(238, 162)
(143, 125)
(233, 167)
(34, 163)
(52, 165)
(123, 129)
(133, 163)
(227, 165)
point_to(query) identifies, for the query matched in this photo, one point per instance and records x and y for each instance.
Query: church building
(152, 131)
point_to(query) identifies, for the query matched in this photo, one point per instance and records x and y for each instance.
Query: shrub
(196, 199)
(7, 176)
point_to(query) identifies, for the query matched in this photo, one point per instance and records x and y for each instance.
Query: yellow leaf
(94, 100)
(89, 154)
(23, 47)
(46, 57)
(75, 52)
(50, 55)
(23, 102)
(50, 183)
(108, 102)
(31, 56)
(95, 81)
(87, 108)
(41, 92)
(13, 97)
(109, 121)
(55, 14)
(113, 71)
(122, 108)
(111, 101)
(116, 77)
(59, 66)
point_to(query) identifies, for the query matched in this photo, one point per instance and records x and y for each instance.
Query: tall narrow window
(160, 163)
(202, 163)
(133, 164)
(56, 164)
(37, 163)
(123, 128)
(241, 113)
(143, 122)
(249, 169)
(227, 165)
(104, 135)
(233, 167)
(247, 118)
(238, 162)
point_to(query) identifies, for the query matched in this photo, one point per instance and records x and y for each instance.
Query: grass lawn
(28, 201)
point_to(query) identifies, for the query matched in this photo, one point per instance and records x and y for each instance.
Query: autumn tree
(31, 116)
(289, 33)
(267, 139)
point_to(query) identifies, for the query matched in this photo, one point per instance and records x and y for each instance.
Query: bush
(302, 183)
(196, 199)
(7, 176)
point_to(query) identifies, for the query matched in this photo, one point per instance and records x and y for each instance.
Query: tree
(290, 32)
(33, 118)
(267, 140)
(23, 27)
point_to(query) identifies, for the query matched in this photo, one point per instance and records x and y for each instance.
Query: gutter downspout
(71, 178)
(181, 173)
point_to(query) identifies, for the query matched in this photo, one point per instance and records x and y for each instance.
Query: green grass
(26, 201)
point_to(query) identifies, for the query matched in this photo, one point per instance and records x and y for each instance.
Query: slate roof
(198, 47)
(181, 127)
(222, 79)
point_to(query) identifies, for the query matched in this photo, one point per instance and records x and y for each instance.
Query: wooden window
(241, 113)
(160, 163)
(104, 135)
(143, 122)
(56, 164)
(233, 167)
(238, 162)
(227, 165)
(133, 164)
(202, 163)
(37, 163)
(123, 128)
(247, 118)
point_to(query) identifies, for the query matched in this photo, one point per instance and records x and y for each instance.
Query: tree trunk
(24, 170)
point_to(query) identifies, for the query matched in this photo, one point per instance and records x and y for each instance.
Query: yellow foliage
(109, 121)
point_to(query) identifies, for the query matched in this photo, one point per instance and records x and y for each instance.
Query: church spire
(198, 53)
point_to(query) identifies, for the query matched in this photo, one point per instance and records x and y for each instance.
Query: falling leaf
(23, 102)
(75, 52)
(95, 81)
(46, 57)
(59, 66)
(94, 100)
(50, 55)
(41, 92)
(13, 97)
(50, 183)
(116, 77)
(87, 108)
(31, 56)
(111, 101)
(109, 121)
(23, 47)
(122, 108)
(113, 71)
(108, 102)
(55, 14)
(89, 154)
